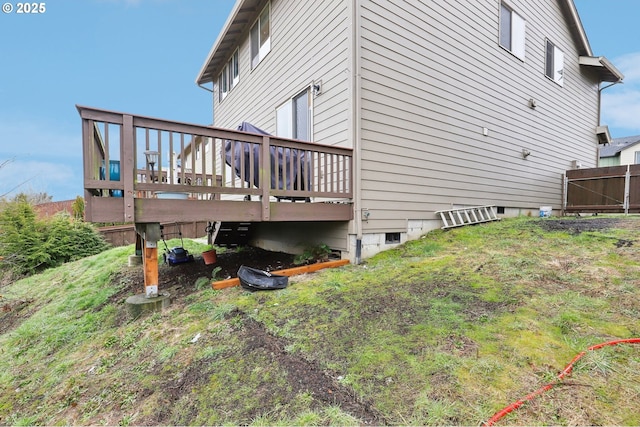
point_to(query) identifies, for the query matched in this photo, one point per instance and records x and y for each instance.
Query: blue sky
(142, 57)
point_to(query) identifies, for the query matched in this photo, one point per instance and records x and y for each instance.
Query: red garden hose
(566, 371)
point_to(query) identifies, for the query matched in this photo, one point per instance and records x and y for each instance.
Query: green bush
(29, 245)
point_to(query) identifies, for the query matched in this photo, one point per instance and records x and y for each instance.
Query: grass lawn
(447, 329)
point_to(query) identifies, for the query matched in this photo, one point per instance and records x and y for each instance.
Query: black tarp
(253, 279)
(285, 162)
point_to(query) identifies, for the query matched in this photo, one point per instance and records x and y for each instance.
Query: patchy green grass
(447, 329)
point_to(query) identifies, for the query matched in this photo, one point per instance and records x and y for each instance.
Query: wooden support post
(150, 269)
(150, 234)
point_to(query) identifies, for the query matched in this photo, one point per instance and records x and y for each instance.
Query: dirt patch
(579, 225)
(302, 376)
(13, 313)
(180, 279)
(307, 376)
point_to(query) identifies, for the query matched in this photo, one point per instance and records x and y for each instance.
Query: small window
(637, 157)
(500, 210)
(554, 63)
(229, 77)
(293, 118)
(223, 85)
(261, 36)
(391, 238)
(512, 31)
(235, 72)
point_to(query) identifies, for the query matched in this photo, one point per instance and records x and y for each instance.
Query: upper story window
(554, 63)
(293, 118)
(512, 31)
(261, 36)
(229, 77)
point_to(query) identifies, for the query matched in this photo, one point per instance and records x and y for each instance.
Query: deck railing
(129, 158)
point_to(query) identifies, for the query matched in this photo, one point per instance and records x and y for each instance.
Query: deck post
(128, 166)
(150, 234)
(265, 178)
(88, 157)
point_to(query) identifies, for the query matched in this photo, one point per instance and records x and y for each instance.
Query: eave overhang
(605, 69)
(242, 15)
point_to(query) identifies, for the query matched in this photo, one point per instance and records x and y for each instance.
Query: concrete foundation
(135, 260)
(139, 305)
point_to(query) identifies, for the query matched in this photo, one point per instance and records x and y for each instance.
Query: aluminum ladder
(467, 216)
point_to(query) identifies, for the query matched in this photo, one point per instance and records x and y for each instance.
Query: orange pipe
(228, 283)
(566, 371)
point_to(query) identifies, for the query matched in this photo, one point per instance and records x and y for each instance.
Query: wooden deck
(160, 171)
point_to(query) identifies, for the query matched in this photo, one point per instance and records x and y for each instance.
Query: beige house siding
(433, 76)
(628, 155)
(303, 51)
(310, 43)
(438, 113)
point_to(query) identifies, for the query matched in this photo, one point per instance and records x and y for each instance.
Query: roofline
(577, 28)
(225, 29)
(569, 7)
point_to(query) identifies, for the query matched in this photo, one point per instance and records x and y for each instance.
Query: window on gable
(512, 31)
(554, 63)
(293, 118)
(261, 36)
(229, 77)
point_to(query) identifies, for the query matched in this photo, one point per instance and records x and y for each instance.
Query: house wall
(628, 156)
(309, 43)
(433, 79)
(609, 161)
(439, 111)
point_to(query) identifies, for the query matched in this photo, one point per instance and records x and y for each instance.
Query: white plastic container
(545, 211)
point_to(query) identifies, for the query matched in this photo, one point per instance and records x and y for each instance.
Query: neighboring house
(445, 103)
(621, 151)
(190, 160)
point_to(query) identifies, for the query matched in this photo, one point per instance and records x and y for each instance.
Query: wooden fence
(611, 189)
(123, 235)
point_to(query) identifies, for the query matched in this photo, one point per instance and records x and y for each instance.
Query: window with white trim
(293, 118)
(261, 36)
(229, 77)
(512, 31)
(637, 157)
(554, 63)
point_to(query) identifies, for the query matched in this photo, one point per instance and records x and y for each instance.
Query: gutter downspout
(356, 118)
(205, 88)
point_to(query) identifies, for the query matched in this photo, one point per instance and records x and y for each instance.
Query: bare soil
(180, 279)
(303, 375)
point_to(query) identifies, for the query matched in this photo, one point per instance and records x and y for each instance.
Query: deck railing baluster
(301, 169)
